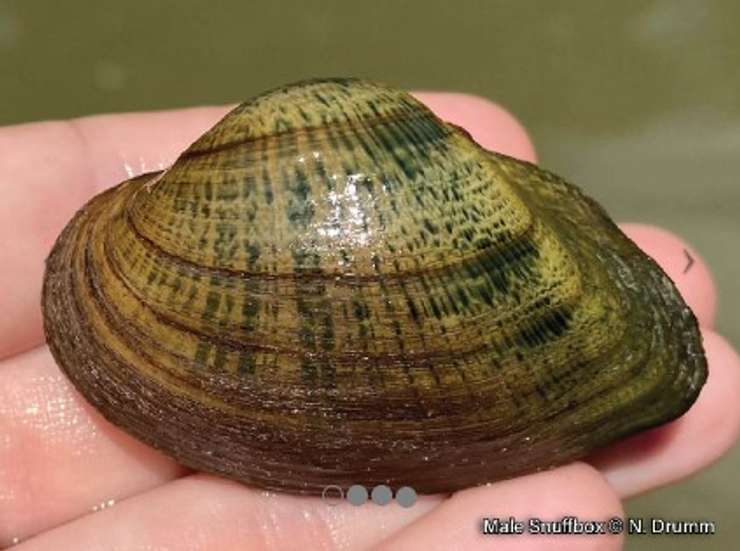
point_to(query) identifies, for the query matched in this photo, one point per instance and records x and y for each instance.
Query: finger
(201, 512)
(58, 457)
(670, 453)
(59, 460)
(490, 124)
(576, 490)
(695, 283)
(50, 169)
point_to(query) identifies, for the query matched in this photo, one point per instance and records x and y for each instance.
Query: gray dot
(382, 495)
(357, 494)
(406, 496)
(332, 495)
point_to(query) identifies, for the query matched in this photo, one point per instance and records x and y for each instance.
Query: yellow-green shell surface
(333, 286)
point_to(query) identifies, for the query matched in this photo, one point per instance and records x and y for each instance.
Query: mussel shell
(333, 287)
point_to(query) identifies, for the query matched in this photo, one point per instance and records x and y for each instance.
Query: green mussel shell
(332, 286)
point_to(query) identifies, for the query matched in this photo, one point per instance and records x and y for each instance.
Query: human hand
(59, 459)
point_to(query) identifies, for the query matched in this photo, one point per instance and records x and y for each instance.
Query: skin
(59, 459)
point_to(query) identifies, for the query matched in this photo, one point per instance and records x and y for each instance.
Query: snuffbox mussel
(332, 286)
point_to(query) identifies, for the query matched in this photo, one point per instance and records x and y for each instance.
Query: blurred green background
(637, 102)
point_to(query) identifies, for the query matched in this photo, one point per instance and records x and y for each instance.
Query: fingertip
(717, 417)
(491, 125)
(683, 264)
(670, 453)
